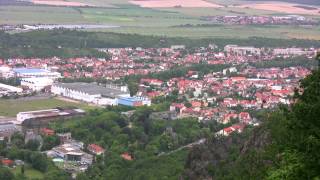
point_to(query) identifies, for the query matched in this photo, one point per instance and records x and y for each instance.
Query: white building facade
(36, 84)
(89, 93)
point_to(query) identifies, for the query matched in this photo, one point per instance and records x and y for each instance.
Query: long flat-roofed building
(42, 117)
(10, 88)
(242, 50)
(35, 73)
(90, 92)
(134, 101)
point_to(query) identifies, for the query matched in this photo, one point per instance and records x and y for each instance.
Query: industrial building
(134, 101)
(6, 72)
(36, 84)
(35, 73)
(70, 156)
(7, 129)
(293, 52)
(239, 50)
(42, 117)
(90, 92)
(6, 89)
(70, 152)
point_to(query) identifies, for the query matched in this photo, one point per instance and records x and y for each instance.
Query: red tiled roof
(95, 148)
(47, 131)
(7, 162)
(127, 156)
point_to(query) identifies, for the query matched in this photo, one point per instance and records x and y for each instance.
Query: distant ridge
(14, 2)
(306, 2)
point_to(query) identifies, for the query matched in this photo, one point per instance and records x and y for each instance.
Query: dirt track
(60, 3)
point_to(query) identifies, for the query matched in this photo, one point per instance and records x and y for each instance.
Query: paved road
(200, 141)
(7, 119)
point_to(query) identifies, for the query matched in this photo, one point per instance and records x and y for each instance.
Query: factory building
(6, 72)
(6, 89)
(35, 73)
(70, 152)
(90, 92)
(36, 84)
(242, 50)
(42, 117)
(293, 52)
(134, 101)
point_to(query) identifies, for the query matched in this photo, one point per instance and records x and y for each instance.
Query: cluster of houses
(74, 156)
(71, 155)
(262, 20)
(142, 61)
(224, 98)
(213, 96)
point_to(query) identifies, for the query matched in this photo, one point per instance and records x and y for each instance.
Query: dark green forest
(66, 43)
(284, 63)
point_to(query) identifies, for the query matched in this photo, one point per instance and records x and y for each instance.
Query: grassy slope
(12, 107)
(29, 172)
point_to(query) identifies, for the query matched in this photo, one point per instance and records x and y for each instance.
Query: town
(262, 20)
(207, 83)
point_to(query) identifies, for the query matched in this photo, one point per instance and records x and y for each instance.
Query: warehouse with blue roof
(134, 101)
(35, 72)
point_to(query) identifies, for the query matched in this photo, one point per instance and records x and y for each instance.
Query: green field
(10, 108)
(281, 32)
(29, 172)
(147, 21)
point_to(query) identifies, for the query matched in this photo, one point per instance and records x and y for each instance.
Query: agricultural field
(280, 32)
(174, 3)
(167, 18)
(10, 108)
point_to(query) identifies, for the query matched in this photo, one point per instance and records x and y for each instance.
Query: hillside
(284, 147)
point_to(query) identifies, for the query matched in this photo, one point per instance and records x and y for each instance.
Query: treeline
(46, 51)
(182, 71)
(284, 63)
(10, 81)
(67, 43)
(178, 72)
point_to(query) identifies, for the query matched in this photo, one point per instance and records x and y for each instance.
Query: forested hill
(307, 2)
(285, 146)
(65, 43)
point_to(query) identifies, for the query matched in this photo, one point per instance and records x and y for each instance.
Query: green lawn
(29, 172)
(11, 107)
